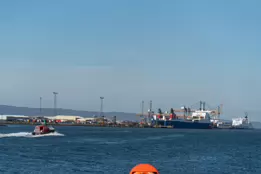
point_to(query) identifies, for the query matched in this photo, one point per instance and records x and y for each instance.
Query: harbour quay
(69, 120)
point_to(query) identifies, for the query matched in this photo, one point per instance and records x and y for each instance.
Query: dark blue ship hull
(182, 124)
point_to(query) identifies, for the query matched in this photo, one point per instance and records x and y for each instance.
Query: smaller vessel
(241, 123)
(224, 124)
(43, 129)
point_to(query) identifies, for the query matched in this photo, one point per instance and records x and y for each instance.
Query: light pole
(101, 111)
(55, 103)
(40, 105)
(142, 108)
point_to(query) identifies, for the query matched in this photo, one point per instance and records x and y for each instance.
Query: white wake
(29, 135)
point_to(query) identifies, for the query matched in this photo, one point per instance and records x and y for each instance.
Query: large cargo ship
(183, 124)
(199, 119)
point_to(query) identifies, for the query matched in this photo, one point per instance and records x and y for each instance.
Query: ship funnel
(200, 105)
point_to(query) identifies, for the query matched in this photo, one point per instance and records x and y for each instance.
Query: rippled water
(117, 150)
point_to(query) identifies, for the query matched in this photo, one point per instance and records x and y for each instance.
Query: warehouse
(85, 120)
(14, 117)
(67, 117)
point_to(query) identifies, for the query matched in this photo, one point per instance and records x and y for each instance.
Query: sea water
(116, 150)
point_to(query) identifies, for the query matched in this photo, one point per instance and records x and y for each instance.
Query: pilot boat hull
(40, 130)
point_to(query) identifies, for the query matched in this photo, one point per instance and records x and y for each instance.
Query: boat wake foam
(29, 135)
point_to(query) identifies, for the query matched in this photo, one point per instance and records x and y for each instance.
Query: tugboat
(43, 129)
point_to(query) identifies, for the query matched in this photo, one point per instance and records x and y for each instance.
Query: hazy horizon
(171, 52)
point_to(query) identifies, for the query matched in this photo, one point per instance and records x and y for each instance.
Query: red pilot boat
(43, 129)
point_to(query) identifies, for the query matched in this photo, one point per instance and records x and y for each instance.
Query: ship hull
(42, 133)
(232, 127)
(177, 124)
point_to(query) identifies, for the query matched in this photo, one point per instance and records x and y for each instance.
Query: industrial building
(68, 118)
(13, 117)
(56, 119)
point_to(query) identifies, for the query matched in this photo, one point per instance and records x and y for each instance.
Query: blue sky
(172, 52)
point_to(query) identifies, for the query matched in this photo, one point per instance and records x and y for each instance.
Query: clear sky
(172, 52)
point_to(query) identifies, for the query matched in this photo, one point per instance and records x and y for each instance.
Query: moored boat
(241, 123)
(224, 124)
(200, 119)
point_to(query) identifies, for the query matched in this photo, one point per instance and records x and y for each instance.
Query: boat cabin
(41, 128)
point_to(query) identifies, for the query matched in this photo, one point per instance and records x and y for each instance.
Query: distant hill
(14, 110)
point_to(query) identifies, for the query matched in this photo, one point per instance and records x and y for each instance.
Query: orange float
(144, 169)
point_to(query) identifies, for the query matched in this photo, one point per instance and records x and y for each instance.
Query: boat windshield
(50, 127)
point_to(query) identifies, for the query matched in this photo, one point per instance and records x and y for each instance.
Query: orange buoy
(144, 169)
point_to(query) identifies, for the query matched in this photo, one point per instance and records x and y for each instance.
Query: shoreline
(71, 124)
(105, 125)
